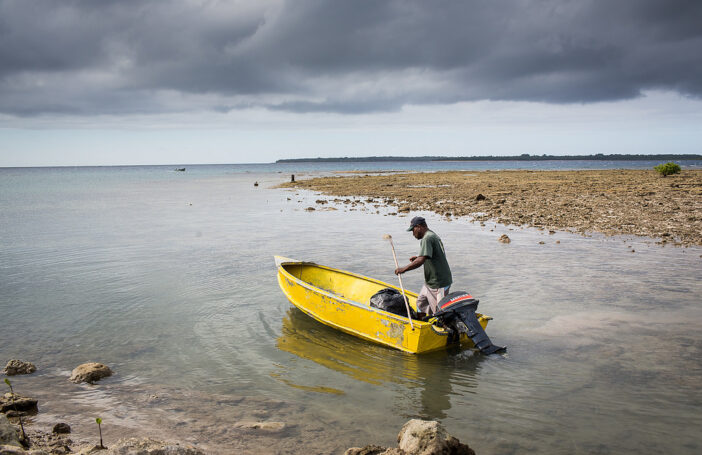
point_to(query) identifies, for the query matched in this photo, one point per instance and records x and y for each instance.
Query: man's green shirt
(437, 273)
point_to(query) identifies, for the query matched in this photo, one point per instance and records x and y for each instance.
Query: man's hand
(414, 263)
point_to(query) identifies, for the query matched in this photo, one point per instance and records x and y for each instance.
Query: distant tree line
(522, 157)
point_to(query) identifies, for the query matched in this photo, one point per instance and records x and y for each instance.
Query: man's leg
(434, 296)
(423, 304)
(429, 302)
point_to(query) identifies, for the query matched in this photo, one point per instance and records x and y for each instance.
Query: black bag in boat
(391, 300)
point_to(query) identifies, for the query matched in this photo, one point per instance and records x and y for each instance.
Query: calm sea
(168, 278)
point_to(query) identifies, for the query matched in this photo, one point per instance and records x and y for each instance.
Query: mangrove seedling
(667, 169)
(99, 421)
(24, 439)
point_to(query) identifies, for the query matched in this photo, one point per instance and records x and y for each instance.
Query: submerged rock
(145, 446)
(374, 450)
(265, 427)
(504, 239)
(90, 372)
(370, 449)
(16, 366)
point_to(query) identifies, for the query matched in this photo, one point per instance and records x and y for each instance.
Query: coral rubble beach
(136, 425)
(195, 435)
(611, 202)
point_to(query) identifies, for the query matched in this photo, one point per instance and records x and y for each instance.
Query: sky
(113, 82)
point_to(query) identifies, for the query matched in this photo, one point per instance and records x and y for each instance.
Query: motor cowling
(455, 301)
(456, 312)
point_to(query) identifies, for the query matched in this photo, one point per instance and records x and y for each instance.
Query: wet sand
(611, 202)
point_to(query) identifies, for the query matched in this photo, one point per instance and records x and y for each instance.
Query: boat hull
(339, 299)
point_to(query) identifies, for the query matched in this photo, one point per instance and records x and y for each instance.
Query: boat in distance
(341, 300)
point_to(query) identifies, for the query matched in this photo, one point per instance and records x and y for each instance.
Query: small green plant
(668, 169)
(25, 440)
(99, 422)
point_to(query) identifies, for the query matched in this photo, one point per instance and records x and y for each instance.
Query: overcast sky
(198, 81)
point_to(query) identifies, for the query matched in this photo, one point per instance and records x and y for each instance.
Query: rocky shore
(26, 429)
(611, 202)
(19, 437)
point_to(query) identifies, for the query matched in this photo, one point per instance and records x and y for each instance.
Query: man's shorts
(428, 299)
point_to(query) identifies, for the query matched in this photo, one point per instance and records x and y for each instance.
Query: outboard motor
(457, 313)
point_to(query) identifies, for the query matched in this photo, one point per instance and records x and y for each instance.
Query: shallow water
(169, 279)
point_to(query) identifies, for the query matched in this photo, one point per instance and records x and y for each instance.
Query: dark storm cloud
(122, 57)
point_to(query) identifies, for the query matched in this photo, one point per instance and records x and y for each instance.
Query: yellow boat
(340, 299)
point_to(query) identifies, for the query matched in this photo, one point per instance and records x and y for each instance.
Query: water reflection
(426, 381)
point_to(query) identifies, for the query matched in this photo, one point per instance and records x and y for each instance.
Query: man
(437, 274)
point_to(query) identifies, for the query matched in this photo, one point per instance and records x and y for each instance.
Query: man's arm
(416, 262)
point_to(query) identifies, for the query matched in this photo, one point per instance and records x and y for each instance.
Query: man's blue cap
(417, 220)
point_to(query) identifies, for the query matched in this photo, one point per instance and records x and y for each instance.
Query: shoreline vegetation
(522, 157)
(611, 202)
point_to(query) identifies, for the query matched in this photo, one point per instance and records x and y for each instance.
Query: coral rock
(19, 406)
(145, 446)
(370, 449)
(90, 372)
(13, 450)
(8, 433)
(16, 366)
(422, 437)
(267, 427)
(62, 428)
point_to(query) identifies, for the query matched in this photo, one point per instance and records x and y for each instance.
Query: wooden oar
(409, 314)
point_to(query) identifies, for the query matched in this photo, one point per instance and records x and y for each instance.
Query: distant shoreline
(523, 157)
